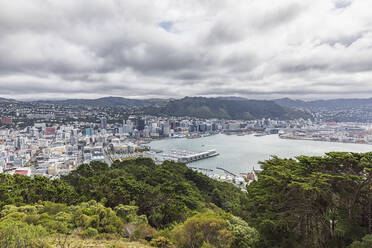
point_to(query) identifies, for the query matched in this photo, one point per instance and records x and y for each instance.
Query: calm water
(241, 153)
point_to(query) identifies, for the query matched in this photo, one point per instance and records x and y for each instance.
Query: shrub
(201, 227)
(16, 234)
(161, 242)
(89, 233)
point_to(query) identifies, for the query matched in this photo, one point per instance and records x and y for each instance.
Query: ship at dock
(184, 156)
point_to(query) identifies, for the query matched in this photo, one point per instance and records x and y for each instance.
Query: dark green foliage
(313, 201)
(165, 193)
(303, 202)
(123, 200)
(365, 243)
(21, 189)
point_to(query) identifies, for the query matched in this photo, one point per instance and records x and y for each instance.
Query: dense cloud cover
(172, 48)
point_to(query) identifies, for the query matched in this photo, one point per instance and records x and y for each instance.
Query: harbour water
(242, 153)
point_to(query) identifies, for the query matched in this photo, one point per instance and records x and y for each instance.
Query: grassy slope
(78, 242)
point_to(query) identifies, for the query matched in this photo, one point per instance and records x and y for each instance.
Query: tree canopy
(313, 201)
(308, 201)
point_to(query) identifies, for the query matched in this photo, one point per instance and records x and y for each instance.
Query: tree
(312, 201)
(202, 228)
(365, 243)
(16, 234)
(244, 235)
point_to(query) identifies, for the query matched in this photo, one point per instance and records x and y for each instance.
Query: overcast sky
(260, 49)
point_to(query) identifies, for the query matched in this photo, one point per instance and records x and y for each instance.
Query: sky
(259, 49)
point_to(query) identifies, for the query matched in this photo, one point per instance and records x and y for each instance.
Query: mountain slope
(105, 102)
(326, 104)
(6, 100)
(202, 107)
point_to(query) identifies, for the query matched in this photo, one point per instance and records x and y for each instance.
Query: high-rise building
(103, 123)
(89, 131)
(140, 124)
(166, 129)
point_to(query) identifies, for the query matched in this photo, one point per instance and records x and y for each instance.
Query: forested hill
(105, 102)
(223, 108)
(320, 202)
(332, 104)
(135, 200)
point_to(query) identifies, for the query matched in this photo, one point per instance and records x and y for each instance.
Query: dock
(227, 172)
(201, 169)
(184, 156)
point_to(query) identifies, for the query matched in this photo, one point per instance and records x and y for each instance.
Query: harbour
(241, 154)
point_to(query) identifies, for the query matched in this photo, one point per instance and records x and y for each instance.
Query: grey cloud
(297, 67)
(347, 40)
(276, 17)
(340, 4)
(141, 48)
(223, 32)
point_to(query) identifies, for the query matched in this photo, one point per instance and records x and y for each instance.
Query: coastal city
(57, 141)
(186, 124)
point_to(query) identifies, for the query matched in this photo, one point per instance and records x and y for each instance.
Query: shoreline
(326, 141)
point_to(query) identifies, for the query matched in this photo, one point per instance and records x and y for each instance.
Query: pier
(184, 156)
(227, 172)
(201, 169)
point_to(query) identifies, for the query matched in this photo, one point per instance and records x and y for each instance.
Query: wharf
(184, 156)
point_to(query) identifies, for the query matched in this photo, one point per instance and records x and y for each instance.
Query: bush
(16, 234)
(365, 243)
(203, 226)
(89, 233)
(245, 236)
(161, 242)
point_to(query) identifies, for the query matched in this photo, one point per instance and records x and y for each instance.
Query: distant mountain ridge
(227, 107)
(6, 100)
(200, 107)
(222, 108)
(111, 101)
(342, 103)
(105, 102)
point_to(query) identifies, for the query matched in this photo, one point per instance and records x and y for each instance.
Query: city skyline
(171, 49)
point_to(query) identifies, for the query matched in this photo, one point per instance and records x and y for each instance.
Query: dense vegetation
(133, 199)
(303, 202)
(313, 201)
(245, 109)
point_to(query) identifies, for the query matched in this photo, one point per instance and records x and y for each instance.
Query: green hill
(134, 200)
(222, 108)
(319, 201)
(104, 102)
